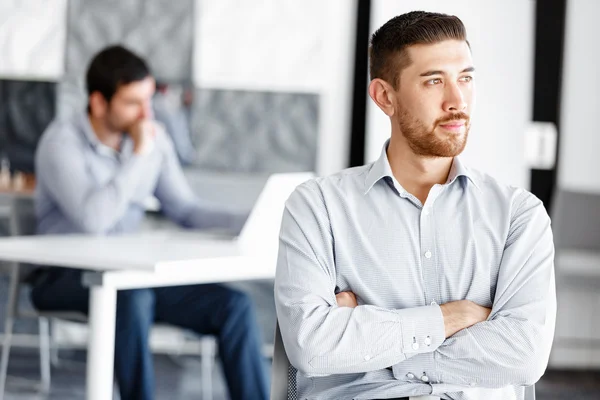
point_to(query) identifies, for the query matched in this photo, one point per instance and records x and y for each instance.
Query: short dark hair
(112, 67)
(388, 55)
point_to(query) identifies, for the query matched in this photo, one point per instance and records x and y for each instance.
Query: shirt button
(427, 341)
(415, 346)
(426, 211)
(367, 358)
(427, 254)
(410, 376)
(425, 378)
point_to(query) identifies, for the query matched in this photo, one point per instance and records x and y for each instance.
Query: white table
(162, 258)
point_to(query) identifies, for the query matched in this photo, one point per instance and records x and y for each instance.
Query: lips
(454, 126)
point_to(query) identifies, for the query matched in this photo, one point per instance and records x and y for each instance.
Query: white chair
(283, 377)
(23, 222)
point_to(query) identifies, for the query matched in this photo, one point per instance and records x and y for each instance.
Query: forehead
(142, 88)
(451, 56)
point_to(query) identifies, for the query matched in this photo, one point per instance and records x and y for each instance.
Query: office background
(280, 85)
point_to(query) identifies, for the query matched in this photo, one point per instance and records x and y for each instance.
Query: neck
(417, 174)
(104, 134)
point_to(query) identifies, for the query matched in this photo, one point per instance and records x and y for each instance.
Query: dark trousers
(206, 309)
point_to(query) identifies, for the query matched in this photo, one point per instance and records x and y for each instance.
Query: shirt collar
(460, 169)
(88, 131)
(381, 169)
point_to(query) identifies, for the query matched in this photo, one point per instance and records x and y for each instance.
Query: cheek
(129, 113)
(421, 105)
(429, 105)
(426, 113)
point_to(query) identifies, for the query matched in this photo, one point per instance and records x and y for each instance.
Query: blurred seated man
(94, 172)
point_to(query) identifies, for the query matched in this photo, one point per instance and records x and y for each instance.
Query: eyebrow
(438, 72)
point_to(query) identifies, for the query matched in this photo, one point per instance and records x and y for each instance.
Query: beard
(424, 141)
(116, 124)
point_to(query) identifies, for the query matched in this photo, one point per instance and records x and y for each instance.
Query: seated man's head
(422, 78)
(120, 88)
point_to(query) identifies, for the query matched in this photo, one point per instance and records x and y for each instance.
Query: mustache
(454, 117)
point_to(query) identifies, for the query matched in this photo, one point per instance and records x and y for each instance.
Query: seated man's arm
(61, 167)
(513, 346)
(320, 337)
(179, 202)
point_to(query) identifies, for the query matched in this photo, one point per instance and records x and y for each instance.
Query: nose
(454, 99)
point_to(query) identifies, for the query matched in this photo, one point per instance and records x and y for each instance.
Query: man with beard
(415, 276)
(94, 173)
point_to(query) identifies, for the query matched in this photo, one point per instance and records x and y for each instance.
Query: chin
(457, 149)
(446, 132)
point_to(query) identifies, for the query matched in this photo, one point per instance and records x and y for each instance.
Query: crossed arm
(469, 344)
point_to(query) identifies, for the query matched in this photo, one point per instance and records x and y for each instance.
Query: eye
(434, 81)
(467, 78)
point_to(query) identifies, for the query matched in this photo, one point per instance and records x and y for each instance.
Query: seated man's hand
(462, 314)
(346, 299)
(143, 134)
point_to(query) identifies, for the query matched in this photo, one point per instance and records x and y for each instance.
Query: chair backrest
(23, 222)
(530, 392)
(283, 376)
(576, 220)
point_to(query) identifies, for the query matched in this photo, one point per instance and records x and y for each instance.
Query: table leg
(101, 345)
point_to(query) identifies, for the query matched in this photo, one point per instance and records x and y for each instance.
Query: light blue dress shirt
(360, 231)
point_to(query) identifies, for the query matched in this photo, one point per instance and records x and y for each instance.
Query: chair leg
(54, 356)
(8, 327)
(44, 334)
(13, 292)
(207, 360)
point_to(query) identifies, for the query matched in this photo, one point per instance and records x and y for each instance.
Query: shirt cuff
(423, 329)
(419, 369)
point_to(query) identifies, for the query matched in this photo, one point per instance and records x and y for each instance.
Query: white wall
(336, 93)
(283, 46)
(32, 39)
(579, 163)
(502, 38)
(273, 45)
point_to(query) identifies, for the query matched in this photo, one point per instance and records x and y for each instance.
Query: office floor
(177, 378)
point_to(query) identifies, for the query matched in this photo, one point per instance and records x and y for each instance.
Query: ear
(382, 94)
(98, 105)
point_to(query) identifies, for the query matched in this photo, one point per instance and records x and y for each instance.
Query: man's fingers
(346, 299)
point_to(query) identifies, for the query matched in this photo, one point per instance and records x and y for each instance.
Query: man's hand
(143, 134)
(458, 315)
(462, 314)
(346, 299)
